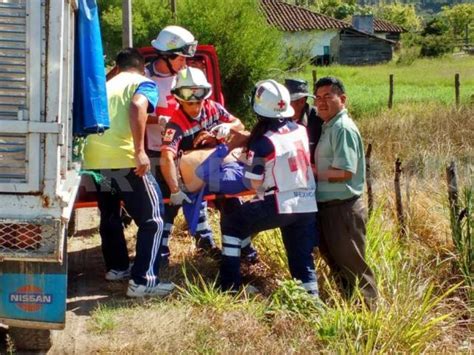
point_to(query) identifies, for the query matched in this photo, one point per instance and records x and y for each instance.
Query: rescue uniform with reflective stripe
(280, 159)
(182, 129)
(179, 136)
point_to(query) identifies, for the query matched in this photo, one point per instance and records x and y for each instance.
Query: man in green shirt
(340, 171)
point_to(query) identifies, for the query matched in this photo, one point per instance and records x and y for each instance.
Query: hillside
(424, 6)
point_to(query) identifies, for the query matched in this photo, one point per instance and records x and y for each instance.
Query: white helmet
(272, 100)
(175, 40)
(191, 85)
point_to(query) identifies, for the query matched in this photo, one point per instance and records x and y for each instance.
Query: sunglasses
(192, 94)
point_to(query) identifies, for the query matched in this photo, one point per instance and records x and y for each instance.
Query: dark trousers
(298, 232)
(203, 230)
(142, 199)
(342, 244)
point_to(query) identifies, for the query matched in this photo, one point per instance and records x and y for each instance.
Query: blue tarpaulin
(90, 112)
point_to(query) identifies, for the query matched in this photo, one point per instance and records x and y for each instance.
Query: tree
(459, 17)
(436, 27)
(436, 38)
(340, 9)
(400, 14)
(248, 48)
(148, 16)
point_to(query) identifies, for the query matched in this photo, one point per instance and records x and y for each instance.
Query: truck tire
(30, 339)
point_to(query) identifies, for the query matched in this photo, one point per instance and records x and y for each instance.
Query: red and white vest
(290, 172)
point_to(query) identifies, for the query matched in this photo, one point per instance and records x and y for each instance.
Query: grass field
(426, 301)
(425, 81)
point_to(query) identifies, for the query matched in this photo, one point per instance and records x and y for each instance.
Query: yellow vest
(114, 149)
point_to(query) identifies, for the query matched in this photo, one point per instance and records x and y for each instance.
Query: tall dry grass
(424, 304)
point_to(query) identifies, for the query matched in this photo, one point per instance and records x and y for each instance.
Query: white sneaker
(117, 275)
(250, 290)
(246, 290)
(162, 289)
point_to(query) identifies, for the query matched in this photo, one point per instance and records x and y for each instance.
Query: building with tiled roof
(292, 18)
(378, 27)
(327, 39)
(385, 26)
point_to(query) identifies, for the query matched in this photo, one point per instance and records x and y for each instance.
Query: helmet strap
(169, 66)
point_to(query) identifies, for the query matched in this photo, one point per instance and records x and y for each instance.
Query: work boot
(206, 246)
(249, 255)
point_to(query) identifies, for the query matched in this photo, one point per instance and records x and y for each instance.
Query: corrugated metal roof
(288, 17)
(385, 26)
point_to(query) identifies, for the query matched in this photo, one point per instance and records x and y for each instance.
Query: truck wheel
(30, 339)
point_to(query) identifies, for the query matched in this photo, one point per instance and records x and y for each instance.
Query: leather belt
(331, 203)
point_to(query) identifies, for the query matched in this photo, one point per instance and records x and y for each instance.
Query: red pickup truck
(204, 59)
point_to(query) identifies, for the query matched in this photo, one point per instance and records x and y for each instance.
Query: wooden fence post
(398, 197)
(390, 93)
(315, 79)
(368, 174)
(453, 190)
(457, 84)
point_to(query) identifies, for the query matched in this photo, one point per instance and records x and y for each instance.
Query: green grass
(462, 226)
(104, 320)
(416, 311)
(425, 81)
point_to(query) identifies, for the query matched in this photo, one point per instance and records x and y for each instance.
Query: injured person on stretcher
(213, 168)
(218, 168)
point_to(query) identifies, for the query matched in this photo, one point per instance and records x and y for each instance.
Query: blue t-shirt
(150, 91)
(222, 178)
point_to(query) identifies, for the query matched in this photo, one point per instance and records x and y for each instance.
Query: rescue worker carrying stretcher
(279, 170)
(196, 114)
(173, 45)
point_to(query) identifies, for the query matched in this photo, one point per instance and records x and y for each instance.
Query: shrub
(296, 58)
(248, 48)
(408, 55)
(149, 17)
(435, 46)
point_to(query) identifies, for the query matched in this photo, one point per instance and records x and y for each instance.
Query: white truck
(38, 177)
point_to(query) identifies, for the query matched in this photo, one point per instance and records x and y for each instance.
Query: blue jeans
(143, 201)
(299, 238)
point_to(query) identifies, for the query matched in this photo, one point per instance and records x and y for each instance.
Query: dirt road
(86, 288)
